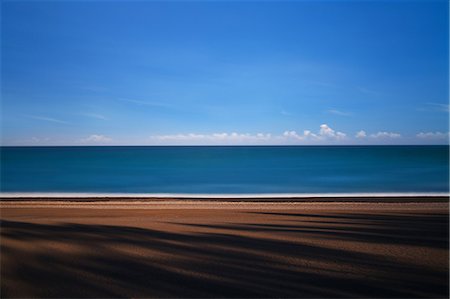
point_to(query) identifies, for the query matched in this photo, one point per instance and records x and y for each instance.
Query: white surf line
(217, 196)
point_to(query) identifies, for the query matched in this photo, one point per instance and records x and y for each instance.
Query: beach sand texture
(214, 249)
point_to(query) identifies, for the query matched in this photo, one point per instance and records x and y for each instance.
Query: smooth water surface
(225, 170)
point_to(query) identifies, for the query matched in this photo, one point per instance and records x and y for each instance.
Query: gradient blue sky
(322, 72)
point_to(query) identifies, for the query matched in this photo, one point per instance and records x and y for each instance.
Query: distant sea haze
(226, 169)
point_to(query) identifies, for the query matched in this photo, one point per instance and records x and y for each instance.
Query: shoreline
(223, 196)
(190, 205)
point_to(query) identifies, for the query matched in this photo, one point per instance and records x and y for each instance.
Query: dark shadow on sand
(221, 261)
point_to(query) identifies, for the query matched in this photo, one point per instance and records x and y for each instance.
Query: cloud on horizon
(385, 135)
(361, 134)
(379, 135)
(325, 135)
(433, 135)
(215, 138)
(96, 139)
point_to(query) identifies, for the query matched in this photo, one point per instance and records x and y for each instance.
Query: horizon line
(107, 195)
(226, 145)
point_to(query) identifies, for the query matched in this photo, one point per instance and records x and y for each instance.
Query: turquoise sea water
(225, 169)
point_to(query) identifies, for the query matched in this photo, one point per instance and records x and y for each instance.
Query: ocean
(225, 169)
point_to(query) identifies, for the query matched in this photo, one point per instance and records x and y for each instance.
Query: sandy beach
(204, 249)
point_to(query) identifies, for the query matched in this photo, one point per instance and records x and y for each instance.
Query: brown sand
(224, 249)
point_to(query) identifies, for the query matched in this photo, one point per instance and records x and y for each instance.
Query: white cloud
(433, 135)
(215, 138)
(309, 134)
(294, 135)
(325, 130)
(39, 139)
(361, 134)
(325, 134)
(385, 135)
(96, 139)
(340, 135)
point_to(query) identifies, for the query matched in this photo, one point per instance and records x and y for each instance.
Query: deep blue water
(290, 169)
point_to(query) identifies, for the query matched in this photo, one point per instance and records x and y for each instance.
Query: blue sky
(153, 72)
